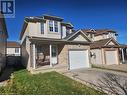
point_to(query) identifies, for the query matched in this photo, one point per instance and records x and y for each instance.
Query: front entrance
(54, 53)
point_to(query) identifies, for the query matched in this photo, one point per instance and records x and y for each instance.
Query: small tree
(113, 84)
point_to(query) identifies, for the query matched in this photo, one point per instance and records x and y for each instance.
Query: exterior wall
(63, 31)
(79, 38)
(26, 33)
(111, 43)
(63, 52)
(3, 44)
(11, 51)
(105, 36)
(25, 49)
(97, 56)
(100, 57)
(100, 37)
(35, 30)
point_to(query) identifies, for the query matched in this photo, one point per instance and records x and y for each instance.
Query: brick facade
(63, 51)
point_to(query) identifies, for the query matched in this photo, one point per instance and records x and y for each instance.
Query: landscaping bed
(52, 83)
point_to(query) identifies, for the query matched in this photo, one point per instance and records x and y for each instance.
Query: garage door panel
(111, 57)
(78, 59)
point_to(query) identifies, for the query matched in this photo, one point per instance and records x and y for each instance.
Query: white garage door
(78, 59)
(111, 57)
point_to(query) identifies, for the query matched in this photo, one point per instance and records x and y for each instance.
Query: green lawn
(50, 83)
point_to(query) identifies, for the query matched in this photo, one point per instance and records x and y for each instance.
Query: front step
(49, 69)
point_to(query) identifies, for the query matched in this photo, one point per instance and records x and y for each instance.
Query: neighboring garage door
(78, 59)
(111, 57)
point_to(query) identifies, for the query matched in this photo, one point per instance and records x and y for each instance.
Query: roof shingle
(100, 43)
(12, 44)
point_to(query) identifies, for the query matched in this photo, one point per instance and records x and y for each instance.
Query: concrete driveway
(101, 78)
(121, 67)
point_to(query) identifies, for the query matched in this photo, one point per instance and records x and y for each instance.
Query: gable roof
(13, 44)
(98, 32)
(103, 43)
(46, 16)
(75, 33)
(49, 40)
(103, 31)
(88, 31)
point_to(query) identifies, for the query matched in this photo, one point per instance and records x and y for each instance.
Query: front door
(54, 54)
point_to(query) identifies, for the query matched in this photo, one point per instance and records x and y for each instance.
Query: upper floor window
(56, 26)
(42, 28)
(51, 25)
(16, 50)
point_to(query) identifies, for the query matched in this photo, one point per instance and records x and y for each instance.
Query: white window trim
(53, 27)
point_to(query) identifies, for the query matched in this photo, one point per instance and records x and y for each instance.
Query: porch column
(34, 56)
(123, 55)
(50, 50)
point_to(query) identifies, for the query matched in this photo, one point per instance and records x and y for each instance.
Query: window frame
(54, 27)
(42, 29)
(51, 26)
(16, 49)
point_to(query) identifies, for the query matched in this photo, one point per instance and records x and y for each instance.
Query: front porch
(123, 54)
(47, 54)
(43, 54)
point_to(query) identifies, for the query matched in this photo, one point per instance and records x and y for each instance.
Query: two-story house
(13, 48)
(105, 49)
(48, 41)
(3, 41)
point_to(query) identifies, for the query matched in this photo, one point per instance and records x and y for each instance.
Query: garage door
(78, 59)
(111, 57)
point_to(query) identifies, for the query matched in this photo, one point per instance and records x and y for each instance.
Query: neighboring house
(3, 42)
(105, 49)
(49, 41)
(13, 48)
